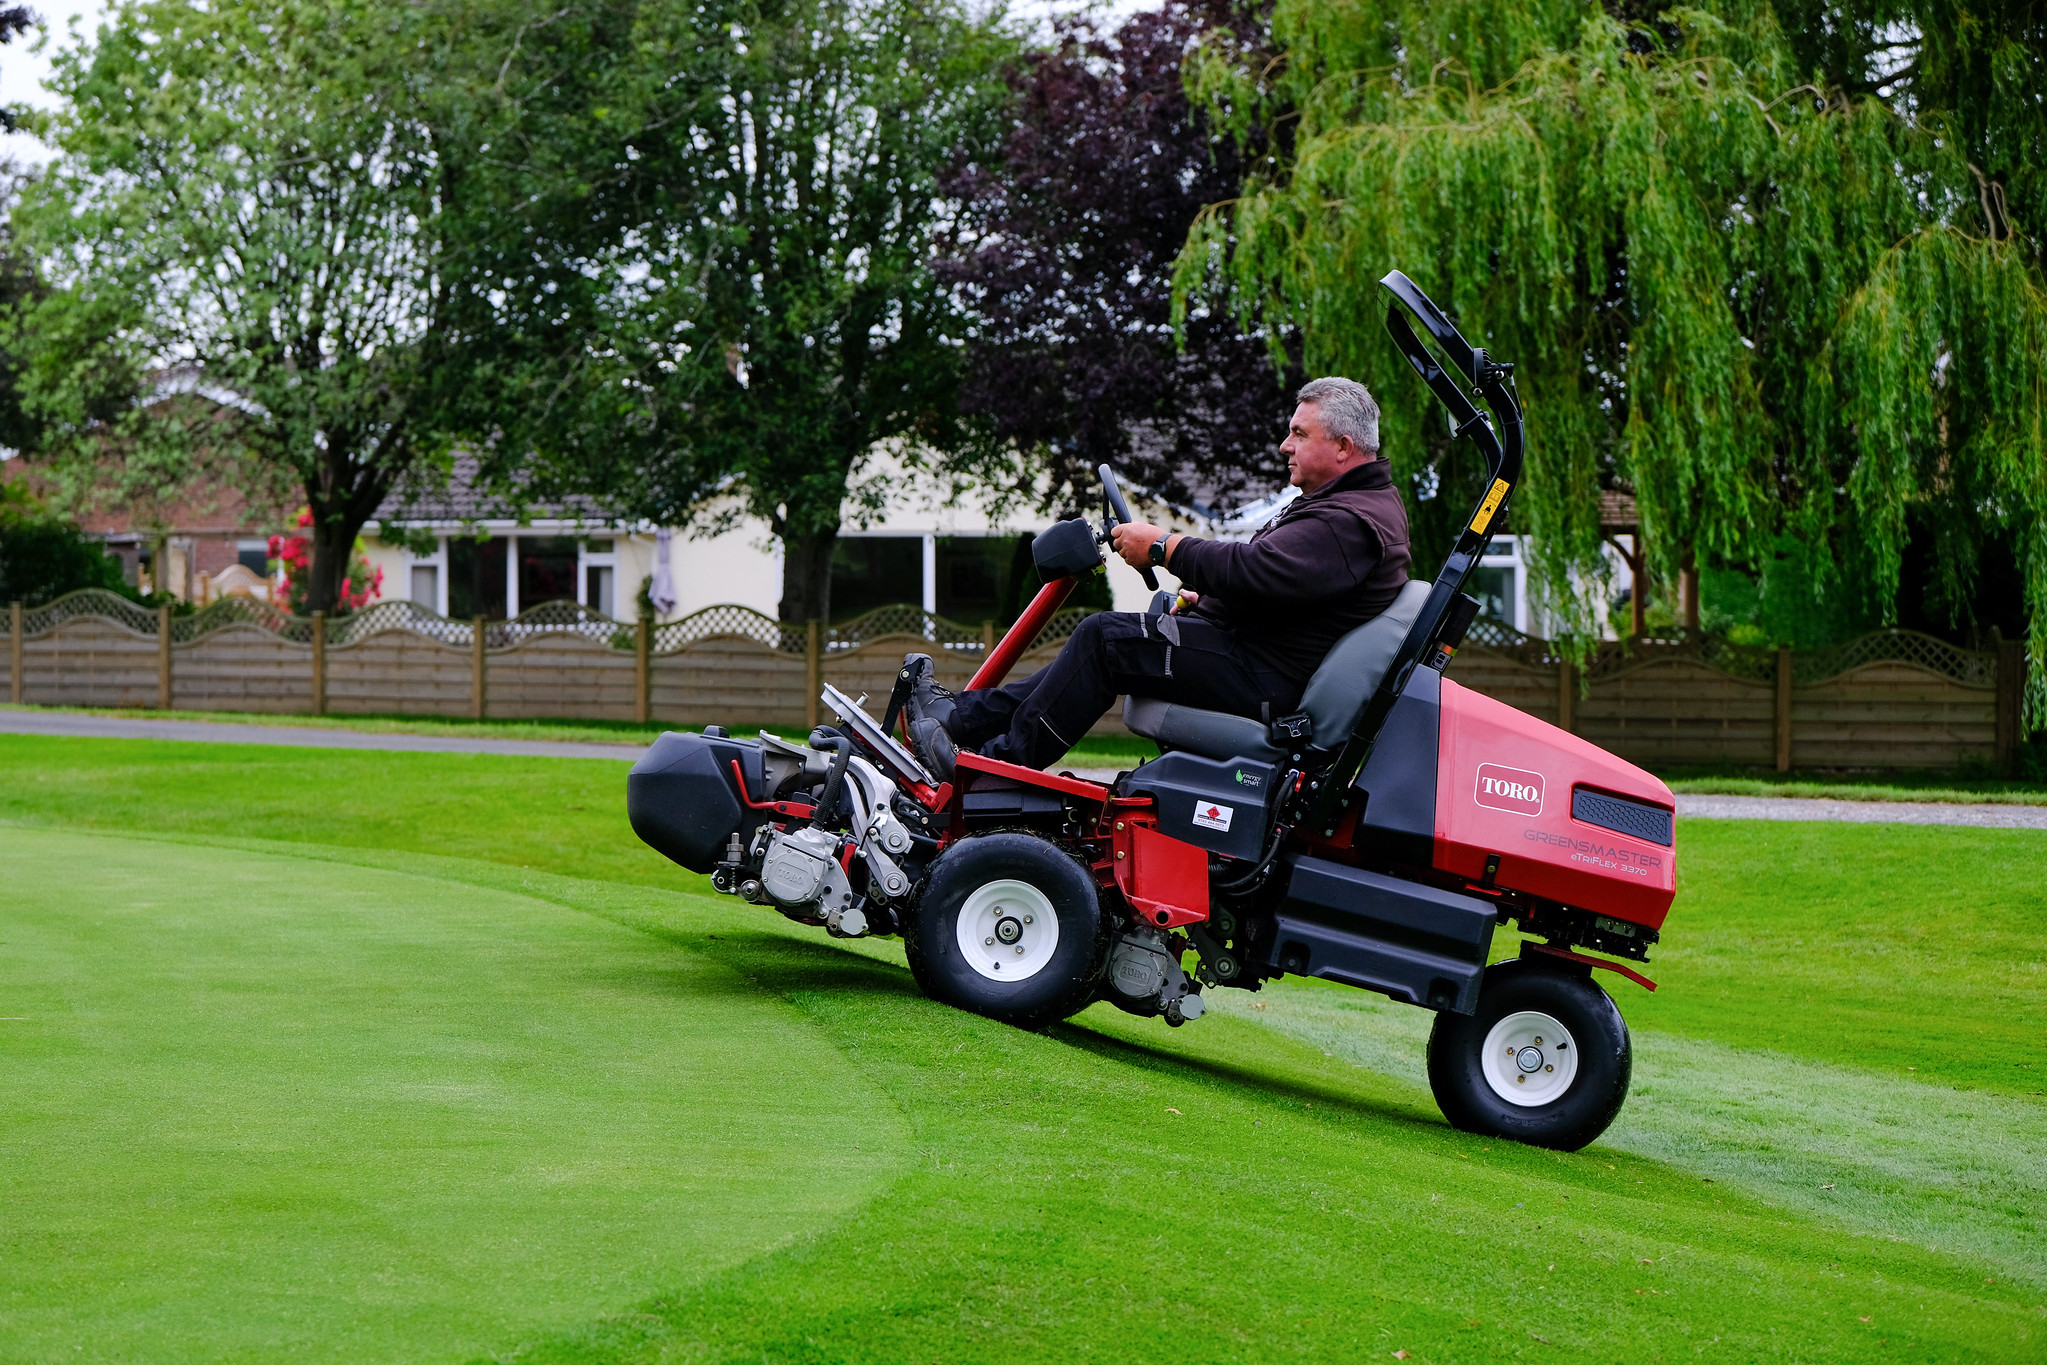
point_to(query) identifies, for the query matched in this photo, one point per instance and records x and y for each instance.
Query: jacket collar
(1376, 472)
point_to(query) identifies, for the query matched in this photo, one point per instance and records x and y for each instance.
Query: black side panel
(997, 800)
(681, 800)
(1399, 782)
(1219, 806)
(1412, 942)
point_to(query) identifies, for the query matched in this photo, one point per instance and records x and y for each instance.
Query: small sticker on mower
(1514, 789)
(1208, 815)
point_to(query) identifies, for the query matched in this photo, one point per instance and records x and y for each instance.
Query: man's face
(1313, 456)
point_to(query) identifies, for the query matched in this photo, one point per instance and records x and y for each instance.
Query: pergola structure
(1618, 518)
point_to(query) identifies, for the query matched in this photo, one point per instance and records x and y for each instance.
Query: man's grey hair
(1347, 408)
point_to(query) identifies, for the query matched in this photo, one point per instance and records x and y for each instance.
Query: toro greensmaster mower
(1378, 838)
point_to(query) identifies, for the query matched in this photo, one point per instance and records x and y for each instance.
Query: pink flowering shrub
(294, 556)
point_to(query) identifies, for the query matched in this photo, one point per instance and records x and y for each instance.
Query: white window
(599, 576)
(429, 578)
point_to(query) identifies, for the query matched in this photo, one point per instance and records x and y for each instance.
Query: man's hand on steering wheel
(1133, 540)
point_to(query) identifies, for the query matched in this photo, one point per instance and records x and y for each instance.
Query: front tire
(1544, 1060)
(1009, 926)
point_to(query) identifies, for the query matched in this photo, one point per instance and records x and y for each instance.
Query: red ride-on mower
(1377, 838)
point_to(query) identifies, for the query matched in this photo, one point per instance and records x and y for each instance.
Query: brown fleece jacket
(1328, 563)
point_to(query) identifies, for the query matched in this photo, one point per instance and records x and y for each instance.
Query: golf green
(259, 1108)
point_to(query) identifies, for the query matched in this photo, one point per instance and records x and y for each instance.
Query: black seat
(1333, 699)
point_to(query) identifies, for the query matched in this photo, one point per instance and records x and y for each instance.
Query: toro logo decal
(1514, 789)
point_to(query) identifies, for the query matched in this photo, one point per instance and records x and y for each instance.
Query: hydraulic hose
(841, 749)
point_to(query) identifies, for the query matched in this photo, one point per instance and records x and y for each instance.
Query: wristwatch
(1158, 552)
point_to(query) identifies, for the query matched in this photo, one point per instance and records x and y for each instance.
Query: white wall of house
(743, 564)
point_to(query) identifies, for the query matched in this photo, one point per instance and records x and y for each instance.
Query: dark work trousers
(1182, 659)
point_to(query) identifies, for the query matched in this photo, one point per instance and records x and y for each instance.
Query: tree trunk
(333, 541)
(1688, 592)
(807, 574)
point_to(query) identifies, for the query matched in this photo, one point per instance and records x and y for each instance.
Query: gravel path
(1701, 807)
(1861, 812)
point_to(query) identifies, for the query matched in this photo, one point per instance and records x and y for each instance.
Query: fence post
(1566, 690)
(1783, 708)
(813, 671)
(643, 670)
(319, 663)
(987, 640)
(14, 653)
(163, 657)
(2011, 701)
(476, 699)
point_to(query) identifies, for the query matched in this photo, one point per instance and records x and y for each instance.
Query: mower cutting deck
(1378, 838)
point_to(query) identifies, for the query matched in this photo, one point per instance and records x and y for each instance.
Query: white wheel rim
(1008, 930)
(1529, 1059)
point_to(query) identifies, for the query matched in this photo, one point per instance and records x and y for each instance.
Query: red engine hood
(1504, 784)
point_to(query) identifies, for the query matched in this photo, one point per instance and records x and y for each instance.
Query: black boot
(929, 710)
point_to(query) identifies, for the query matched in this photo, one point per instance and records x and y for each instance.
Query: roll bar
(1440, 627)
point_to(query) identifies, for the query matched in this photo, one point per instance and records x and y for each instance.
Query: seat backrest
(1335, 697)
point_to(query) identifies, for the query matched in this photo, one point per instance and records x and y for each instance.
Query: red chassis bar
(996, 666)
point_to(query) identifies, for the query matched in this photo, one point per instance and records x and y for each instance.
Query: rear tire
(1545, 1059)
(1009, 926)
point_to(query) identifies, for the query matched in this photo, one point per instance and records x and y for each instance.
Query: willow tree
(1774, 310)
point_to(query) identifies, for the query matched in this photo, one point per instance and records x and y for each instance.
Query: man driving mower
(1253, 621)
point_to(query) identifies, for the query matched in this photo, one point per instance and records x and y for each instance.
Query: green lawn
(380, 1057)
(1867, 786)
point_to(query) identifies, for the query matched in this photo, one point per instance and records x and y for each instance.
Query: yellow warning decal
(1489, 506)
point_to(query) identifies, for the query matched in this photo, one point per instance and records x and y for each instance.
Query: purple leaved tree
(1064, 251)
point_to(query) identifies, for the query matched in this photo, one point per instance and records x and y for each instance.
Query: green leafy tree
(257, 204)
(42, 556)
(738, 301)
(1768, 304)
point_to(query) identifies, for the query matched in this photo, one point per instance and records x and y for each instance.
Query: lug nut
(1538, 1042)
(1519, 1079)
(1549, 1068)
(989, 941)
(1019, 950)
(1027, 919)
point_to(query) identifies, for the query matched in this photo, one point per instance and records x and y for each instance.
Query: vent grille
(1636, 819)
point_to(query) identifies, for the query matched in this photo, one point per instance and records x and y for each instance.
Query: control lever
(1115, 512)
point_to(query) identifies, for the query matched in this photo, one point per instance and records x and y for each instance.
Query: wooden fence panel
(727, 680)
(398, 672)
(89, 661)
(243, 668)
(559, 675)
(1892, 715)
(1916, 703)
(1679, 711)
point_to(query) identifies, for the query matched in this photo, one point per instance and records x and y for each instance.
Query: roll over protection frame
(1499, 436)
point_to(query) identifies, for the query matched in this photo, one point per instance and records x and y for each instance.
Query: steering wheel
(1115, 512)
